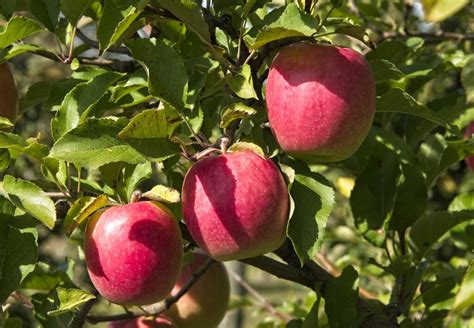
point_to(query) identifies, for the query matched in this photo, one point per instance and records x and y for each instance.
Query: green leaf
(385, 70)
(246, 146)
(312, 319)
(375, 191)
(436, 154)
(465, 295)
(154, 149)
(433, 292)
(235, 111)
(283, 23)
(151, 123)
(18, 254)
(134, 175)
(74, 9)
(411, 197)
(69, 299)
(94, 144)
(439, 10)
(18, 27)
(428, 229)
(162, 193)
(314, 200)
(341, 297)
(4, 159)
(241, 83)
(79, 102)
(398, 101)
(30, 198)
(46, 11)
(357, 32)
(81, 209)
(118, 15)
(462, 202)
(188, 12)
(467, 79)
(44, 277)
(167, 75)
(5, 123)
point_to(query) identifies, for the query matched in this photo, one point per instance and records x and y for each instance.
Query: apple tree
(326, 144)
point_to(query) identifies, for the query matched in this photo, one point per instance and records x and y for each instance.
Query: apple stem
(136, 196)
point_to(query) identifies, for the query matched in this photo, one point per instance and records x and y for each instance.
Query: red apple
(235, 205)
(320, 101)
(133, 253)
(205, 304)
(468, 134)
(160, 322)
(8, 93)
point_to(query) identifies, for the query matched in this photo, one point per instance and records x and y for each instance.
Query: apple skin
(235, 205)
(468, 134)
(133, 252)
(8, 93)
(320, 101)
(205, 304)
(159, 322)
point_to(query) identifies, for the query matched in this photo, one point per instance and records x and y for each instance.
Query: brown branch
(163, 306)
(80, 317)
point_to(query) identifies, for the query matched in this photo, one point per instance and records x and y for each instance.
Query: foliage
(383, 238)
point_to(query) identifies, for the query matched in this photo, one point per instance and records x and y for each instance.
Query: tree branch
(80, 317)
(163, 306)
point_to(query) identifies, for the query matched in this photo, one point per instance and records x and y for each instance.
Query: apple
(320, 101)
(468, 134)
(8, 93)
(205, 303)
(159, 322)
(133, 252)
(235, 205)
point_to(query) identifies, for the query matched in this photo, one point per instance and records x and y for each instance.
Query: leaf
(81, 209)
(18, 49)
(436, 154)
(373, 197)
(151, 123)
(357, 32)
(341, 297)
(312, 319)
(433, 292)
(188, 12)
(462, 202)
(398, 101)
(465, 295)
(385, 70)
(117, 16)
(18, 254)
(79, 102)
(246, 146)
(314, 200)
(44, 277)
(18, 27)
(74, 9)
(428, 229)
(94, 144)
(155, 149)
(69, 299)
(283, 23)
(134, 175)
(167, 75)
(439, 10)
(241, 83)
(235, 111)
(46, 11)
(162, 193)
(467, 79)
(30, 198)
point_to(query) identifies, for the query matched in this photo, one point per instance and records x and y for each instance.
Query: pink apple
(205, 304)
(235, 205)
(468, 134)
(133, 253)
(159, 322)
(320, 101)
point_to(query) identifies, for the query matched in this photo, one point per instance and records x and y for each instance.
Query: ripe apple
(235, 205)
(205, 303)
(159, 322)
(468, 134)
(320, 101)
(8, 93)
(133, 252)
